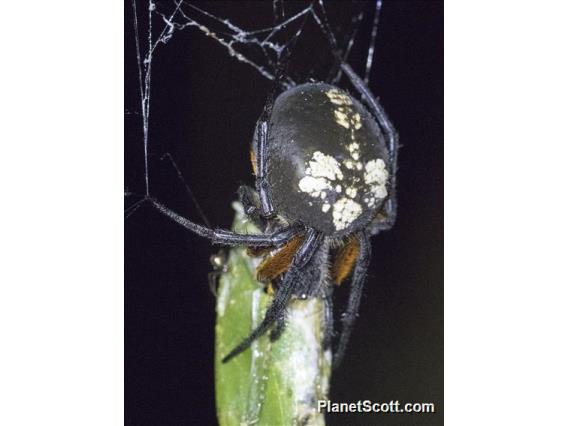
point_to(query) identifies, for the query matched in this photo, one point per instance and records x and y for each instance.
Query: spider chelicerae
(325, 171)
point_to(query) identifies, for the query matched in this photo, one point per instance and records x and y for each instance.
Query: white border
(61, 177)
(61, 319)
(506, 211)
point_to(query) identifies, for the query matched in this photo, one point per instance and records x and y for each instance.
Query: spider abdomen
(328, 162)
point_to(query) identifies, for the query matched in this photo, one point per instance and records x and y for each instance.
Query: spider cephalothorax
(325, 170)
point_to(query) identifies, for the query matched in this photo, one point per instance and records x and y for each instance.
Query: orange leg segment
(253, 160)
(345, 261)
(276, 264)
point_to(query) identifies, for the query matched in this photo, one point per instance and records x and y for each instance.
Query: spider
(325, 174)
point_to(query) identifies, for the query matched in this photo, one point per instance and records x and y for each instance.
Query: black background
(204, 106)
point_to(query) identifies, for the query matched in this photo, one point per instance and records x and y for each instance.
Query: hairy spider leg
(291, 282)
(313, 283)
(225, 237)
(380, 115)
(328, 316)
(345, 261)
(350, 315)
(279, 327)
(308, 247)
(261, 141)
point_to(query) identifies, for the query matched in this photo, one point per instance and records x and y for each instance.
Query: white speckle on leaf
(222, 299)
(338, 189)
(325, 207)
(305, 358)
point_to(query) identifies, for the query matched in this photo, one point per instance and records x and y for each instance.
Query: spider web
(261, 49)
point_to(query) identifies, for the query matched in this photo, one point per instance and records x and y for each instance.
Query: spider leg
(385, 219)
(251, 205)
(225, 237)
(392, 137)
(279, 327)
(350, 315)
(308, 248)
(328, 316)
(292, 281)
(345, 261)
(261, 143)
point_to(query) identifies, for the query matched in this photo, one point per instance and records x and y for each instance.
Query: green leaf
(272, 383)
